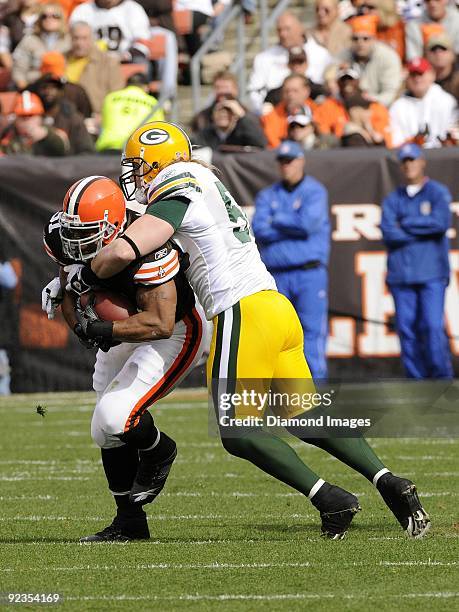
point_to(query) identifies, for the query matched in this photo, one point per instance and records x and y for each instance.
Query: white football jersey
(118, 27)
(225, 264)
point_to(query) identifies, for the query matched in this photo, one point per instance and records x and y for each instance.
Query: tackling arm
(148, 233)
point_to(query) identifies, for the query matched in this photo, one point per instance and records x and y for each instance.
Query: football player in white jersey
(256, 332)
(141, 358)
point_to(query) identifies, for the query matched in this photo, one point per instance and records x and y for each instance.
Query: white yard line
(158, 517)
(267, 597)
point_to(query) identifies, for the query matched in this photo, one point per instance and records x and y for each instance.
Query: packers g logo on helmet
(152, 147)
(154, 137)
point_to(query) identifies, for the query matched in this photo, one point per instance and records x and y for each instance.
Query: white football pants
(130, 377)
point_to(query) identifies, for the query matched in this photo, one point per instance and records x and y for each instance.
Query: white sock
(377, 476)
(316, 487)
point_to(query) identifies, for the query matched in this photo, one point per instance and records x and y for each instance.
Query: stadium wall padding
(47, 357)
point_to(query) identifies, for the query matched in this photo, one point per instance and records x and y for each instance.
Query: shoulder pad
(52, 241)
(175, 180)
(158, 267)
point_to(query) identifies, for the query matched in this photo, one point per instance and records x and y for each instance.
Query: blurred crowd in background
(78, 77)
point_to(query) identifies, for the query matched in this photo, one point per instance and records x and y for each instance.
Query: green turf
(224, 535)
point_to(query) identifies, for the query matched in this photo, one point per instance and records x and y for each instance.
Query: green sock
(275, 457)
(354, 452)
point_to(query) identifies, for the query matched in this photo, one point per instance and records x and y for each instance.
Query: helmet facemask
(82, 240)
(136, 179)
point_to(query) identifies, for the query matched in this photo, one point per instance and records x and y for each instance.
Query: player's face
(81, 244)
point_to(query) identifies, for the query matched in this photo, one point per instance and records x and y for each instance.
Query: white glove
(75, 281)
(51, 297)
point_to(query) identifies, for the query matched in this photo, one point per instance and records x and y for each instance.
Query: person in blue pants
(415, 219)
(292, 228)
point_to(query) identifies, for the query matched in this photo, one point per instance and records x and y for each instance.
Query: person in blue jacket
(415, 219)
(292, 228)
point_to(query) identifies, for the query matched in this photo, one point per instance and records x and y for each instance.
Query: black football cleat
(121, 531)
(151, 478)
(402, 499)
(337, 508)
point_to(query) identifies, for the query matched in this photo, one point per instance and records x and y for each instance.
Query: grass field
(224, 535)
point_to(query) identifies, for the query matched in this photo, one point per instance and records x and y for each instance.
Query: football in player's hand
(110, 306)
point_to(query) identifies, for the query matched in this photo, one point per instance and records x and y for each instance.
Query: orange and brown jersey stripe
(153, 273)
(182, 362)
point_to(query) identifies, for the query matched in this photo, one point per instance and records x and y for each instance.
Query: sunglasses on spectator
(369, 7)
(364, 38)
(438, 48)
(50, 16)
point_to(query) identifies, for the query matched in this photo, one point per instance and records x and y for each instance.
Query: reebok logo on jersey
(161, 253)
(154, 136)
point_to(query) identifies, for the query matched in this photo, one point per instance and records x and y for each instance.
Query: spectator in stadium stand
(6, 59)
(415, 219)
(441, 56)
(50, 33)
(117, 24)
(391, 28)
(292, 228)
(352, 114)
(97, 71)
(159, 13)
(165, 68)
(379, 66)
(303, 130)
(53, 63)
(8, 281)
(62, 114)
(270, 67)
(28, 132)
(19, 18)
(123, 111)
(330, 31)
(437, 13)
(297, 64)
(425, 113)
(202, 11)
(296, 93)
(231, 127)
(224, 87)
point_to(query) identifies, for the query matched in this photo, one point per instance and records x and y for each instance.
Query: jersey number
(235, 213)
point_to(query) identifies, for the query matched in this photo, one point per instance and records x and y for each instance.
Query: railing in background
(230, 14)
(267, 20)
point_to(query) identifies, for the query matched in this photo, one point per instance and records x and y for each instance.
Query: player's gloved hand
(89, 322)
(51, 297)
(89, 343)
(80, 278)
